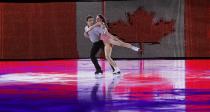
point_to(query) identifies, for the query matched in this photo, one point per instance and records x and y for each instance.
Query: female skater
(110, 40)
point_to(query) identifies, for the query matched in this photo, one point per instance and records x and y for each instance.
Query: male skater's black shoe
(99, 72)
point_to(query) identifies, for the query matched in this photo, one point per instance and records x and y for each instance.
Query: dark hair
(88, 17)
(103, 19)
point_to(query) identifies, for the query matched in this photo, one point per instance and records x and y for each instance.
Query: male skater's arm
(86, 33)
(87, 29)
(91, 27)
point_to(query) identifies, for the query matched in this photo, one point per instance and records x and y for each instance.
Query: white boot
(135, 48)
(116, 70)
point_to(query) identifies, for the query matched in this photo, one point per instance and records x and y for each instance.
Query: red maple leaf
(141, 27)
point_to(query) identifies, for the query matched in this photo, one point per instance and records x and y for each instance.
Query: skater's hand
(91, 27)
(98, 24)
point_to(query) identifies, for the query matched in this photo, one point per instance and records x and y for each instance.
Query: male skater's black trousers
(94, 50)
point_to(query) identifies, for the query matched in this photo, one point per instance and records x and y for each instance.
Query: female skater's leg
(123, 44)
(108, 51)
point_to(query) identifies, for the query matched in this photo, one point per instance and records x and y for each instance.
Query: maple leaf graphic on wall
(141, 27)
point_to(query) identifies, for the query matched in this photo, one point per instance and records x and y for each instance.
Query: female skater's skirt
(105, 38)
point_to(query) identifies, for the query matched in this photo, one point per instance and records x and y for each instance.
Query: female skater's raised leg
(118, 42)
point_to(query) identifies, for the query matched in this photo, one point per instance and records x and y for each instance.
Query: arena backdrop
(163, 28)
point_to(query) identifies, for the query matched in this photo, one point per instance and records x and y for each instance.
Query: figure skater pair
(101, 38)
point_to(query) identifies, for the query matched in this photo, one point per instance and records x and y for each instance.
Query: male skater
(93, 33)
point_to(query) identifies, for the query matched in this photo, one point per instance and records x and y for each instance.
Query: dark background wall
(180, 28)
(197, 28)
(37, 30)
